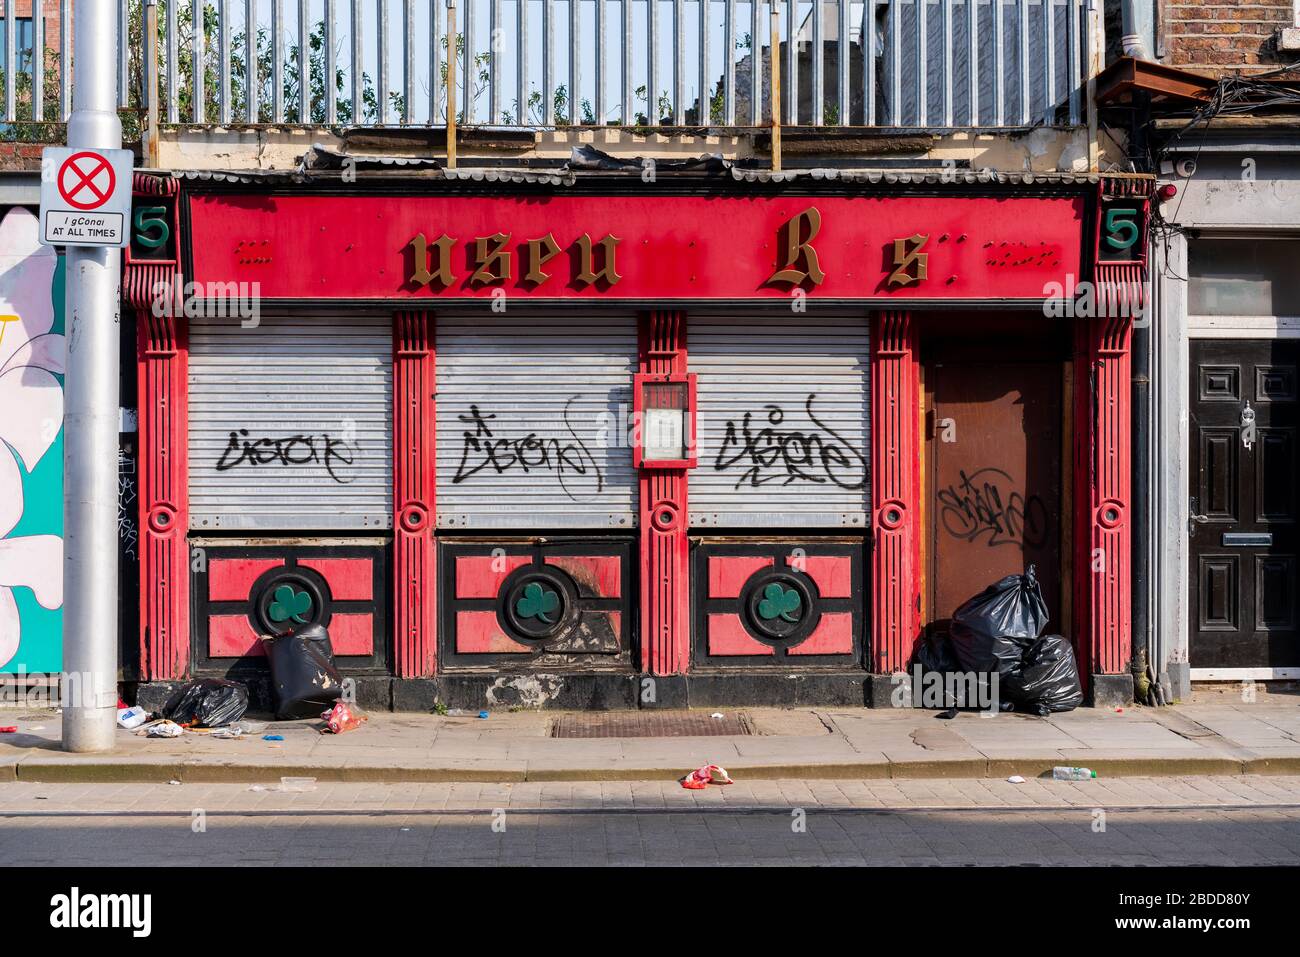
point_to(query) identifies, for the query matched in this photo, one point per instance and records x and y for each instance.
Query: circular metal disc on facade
(287, 599)
(536, 603)
(779, 606)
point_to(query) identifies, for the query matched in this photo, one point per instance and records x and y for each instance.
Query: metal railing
(549, 63)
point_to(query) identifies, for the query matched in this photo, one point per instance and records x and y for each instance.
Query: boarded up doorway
(996, 436)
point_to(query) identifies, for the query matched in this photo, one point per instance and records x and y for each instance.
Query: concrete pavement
(1217, 738)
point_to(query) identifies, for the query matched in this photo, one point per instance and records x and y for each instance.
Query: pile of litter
(997, 636)
(304, 680)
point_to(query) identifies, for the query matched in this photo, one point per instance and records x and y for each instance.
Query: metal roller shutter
(783, 422)
(530, 419)
(291, 423)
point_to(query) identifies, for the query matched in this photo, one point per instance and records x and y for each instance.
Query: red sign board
(643, 247)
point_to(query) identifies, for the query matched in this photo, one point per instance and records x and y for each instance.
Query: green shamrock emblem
(289, 604)
(538, 602)
(779, 602)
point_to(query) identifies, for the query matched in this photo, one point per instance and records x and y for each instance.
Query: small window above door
(1243, 277)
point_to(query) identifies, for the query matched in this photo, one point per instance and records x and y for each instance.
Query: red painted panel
(832, 573)
(727, 636)
(832, 636)
(601, 573)
(478, 633)
(231, 636)
(670, 247)
(231, 579)
(480, 576)
(352, 634)
(728, 573)
(350, 579)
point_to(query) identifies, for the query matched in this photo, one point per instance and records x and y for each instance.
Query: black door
(1245, 495)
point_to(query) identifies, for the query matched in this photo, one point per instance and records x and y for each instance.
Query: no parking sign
(85, 197)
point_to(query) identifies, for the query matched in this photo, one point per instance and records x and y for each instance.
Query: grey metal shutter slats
(328, 379)
(790, 469)
(547, 448)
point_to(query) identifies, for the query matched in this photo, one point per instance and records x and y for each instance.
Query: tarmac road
(1234, 820)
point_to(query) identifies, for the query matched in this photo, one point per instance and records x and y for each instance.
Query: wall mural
(31, 461)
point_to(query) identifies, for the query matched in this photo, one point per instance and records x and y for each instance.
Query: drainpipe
(1136, 23)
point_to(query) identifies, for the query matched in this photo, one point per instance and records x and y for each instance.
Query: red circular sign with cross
(86, 180)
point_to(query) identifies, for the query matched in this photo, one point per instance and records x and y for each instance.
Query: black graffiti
(977, 505)
(300, 449)
(567, 458)
(772, 454)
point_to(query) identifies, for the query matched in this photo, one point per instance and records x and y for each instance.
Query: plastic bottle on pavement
(1062, 773)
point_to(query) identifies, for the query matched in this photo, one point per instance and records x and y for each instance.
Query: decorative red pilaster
(665, 578)
(1103, 448)
(895, 492)
(162, 362)
(414, 568)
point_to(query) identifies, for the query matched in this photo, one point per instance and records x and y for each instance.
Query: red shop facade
(591, 442)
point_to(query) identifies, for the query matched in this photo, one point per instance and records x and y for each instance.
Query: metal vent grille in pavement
(649, 725)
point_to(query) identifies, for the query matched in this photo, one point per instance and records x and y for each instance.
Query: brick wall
(1222, 37)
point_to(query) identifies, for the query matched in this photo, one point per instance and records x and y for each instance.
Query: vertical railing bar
(277, 61)
(706, 94)
(521, 60)
(999, 67)
(1073, 11)
(465, 108)
(948, 61)
(38, 61)
(575, 62)
(972, 59)
(224, 60)
(1022, 10)
(329, 87)
(652, 73)
(11, 61)
(679, 59)
(729, 63)
(625, 45)
(123, 49)
(842, 91)
(304, 61)
(791, 98)
(65, 59)
(868, 35)
(358, 97)
(408, 63)
(1049, 59)
(818, 66)
(495, 31)
(922, 78)
(755, 65)
(602, 61)
(381, 61)
(548, 63)
(435, 58)
(250, 61)
(896, 61)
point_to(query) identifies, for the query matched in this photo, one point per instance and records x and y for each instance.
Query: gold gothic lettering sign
(492, 262)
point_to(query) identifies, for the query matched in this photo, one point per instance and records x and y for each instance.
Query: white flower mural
(31, 415)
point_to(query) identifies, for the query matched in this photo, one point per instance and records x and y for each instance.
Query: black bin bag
(991, 632)
(207, 703)
(1048, 679)
(304, 680)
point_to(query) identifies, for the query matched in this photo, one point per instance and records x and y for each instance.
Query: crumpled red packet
(701, 778)
(342, 717)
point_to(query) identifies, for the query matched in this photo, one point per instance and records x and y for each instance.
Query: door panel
(1245, 499)
(994, 475)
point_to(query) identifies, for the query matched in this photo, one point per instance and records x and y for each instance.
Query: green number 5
(150, 228)
(1120, 233)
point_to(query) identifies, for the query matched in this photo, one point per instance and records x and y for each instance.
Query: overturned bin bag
(304, 680)
(1048, 679)
(207, 703)
(991, 632)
